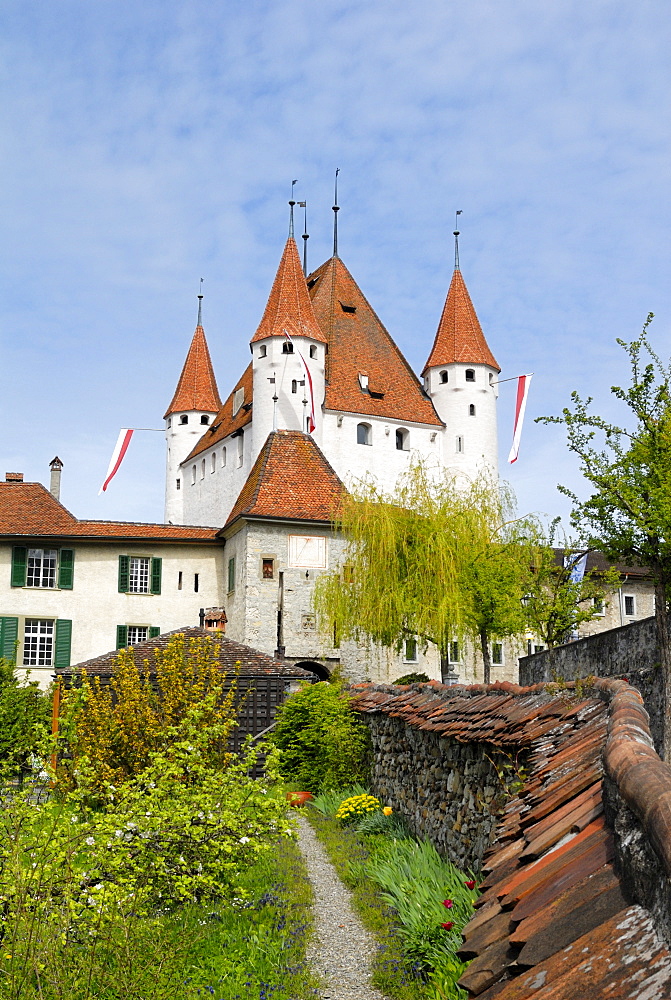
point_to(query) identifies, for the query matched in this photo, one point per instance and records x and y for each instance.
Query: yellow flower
(387, 810)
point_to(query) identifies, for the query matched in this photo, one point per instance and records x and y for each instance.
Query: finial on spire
(291, 210)
(336, 209)
(200, 303)
(456, 239)
(304, 206)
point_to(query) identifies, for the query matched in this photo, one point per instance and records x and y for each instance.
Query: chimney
(13, 477)
(55, 483)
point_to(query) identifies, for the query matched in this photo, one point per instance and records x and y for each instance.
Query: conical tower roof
(197, 386)
(289, 309)
(460, 338)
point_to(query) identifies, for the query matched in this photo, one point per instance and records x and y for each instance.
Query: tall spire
(459, 338)
(336, 209)
(197, 386)
(456, 239)
(289, 309)
(291, 210)
(304, 206)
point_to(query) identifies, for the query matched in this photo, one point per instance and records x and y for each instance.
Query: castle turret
(289, 355)
(193, 407)
(460, 376)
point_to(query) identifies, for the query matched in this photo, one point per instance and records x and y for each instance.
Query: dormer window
(263, 350)
(238, 399)
(347, 308)
(470, 375)
(363, 382)
(443, 377)
(204, 419)
(287, 347)
(313, 350)
(184, 419)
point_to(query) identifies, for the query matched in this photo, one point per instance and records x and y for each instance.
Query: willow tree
(439, 559)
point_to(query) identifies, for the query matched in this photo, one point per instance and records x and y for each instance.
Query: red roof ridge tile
(197, 386)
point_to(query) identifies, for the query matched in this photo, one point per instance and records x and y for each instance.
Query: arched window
(223, 458)
(169, 421)
(491, 379)
(193, 475)
(204, 419)
(313, 350)
(184, 419)
(470, 375)
(214, 462)
(287, 347)
(263, 350)
(471, 410)
(294, 385)
(460, 444)
(202, 469)
(241, 448)
(402, 438)
(364, 434)
(443, 376)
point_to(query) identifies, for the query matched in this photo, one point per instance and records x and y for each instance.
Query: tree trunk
(486, 659)
(664, 644)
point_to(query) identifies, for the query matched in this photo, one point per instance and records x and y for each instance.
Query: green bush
(414, 678)
(25, 714)
(322, 742)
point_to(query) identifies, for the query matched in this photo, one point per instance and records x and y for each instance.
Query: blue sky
(147, 146)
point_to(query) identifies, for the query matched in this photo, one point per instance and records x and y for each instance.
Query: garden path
(342, 950)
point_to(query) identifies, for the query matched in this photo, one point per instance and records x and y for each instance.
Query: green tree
(25, 713)
(628, 516)
(560, 600)
(439, 558)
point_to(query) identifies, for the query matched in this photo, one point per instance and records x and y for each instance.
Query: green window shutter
(154, 631)
(121, 636)
(62, 643)
(124, 576)
(156, 576)
(9, 633)
(66, 569)
(19, 565)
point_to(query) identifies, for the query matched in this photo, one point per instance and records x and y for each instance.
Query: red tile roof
(28, 510)
(459, 337)
(226, 423)
(358, 344)
(289, 308)
(554, 921)
(290, 479)
(197, 386)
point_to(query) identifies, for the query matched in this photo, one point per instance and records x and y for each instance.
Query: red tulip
(448, 926)
(448, 903)
(470, 884)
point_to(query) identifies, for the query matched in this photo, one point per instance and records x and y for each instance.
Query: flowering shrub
(356, 807)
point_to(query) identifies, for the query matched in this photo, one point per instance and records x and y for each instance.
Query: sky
(146, 146)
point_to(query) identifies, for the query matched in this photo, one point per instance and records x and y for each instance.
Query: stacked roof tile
(459, 337)
(197, 386)
(29, 510)
(290, 479)
(231, 417)
(554, 921)
(289, 311)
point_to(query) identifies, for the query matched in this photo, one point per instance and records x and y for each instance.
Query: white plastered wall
(478, 432)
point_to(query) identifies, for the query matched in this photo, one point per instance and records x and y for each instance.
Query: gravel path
(342, 950)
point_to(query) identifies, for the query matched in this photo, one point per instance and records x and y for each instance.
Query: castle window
(410, 651)
(497, 654)
(38, 642)
(313, 350)
(195, 583)
(178, 484)
(204, 419)
(471, 410)
(41, 570)
(287, 347)
(491, 379)
(241, 448)
(193, 475)
(268, 569)
(139, 575)
(364, 434)
(179, 580)
(629, 605)
(214, 462)
(263, 350)
(231, 574)
(202, 469)
(460, 444)
(184, 419)
(453, 652)
(137, 634)
(294, 385)
(470, 375)
(223, 458)
(169, 421)
(402, 438)
(443, 377)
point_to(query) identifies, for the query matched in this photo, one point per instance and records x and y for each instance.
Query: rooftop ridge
(289, 308)
(459, 337)
(197, 385)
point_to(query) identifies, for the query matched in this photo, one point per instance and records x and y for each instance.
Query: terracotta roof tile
(289, 308)
(358, 344)
(197, 386)
(459, 337)
(290, 479)
(553, 921)
(226, 422)
(28, 510)
(229, 653)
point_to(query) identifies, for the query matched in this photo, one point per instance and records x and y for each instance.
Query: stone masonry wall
(629, 653)
(450, 793)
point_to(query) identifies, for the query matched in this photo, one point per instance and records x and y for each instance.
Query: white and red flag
(120, 449)
(308, 382)
(520, 406)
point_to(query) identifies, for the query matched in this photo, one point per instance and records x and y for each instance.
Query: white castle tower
(194, 405)
(461, 377)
